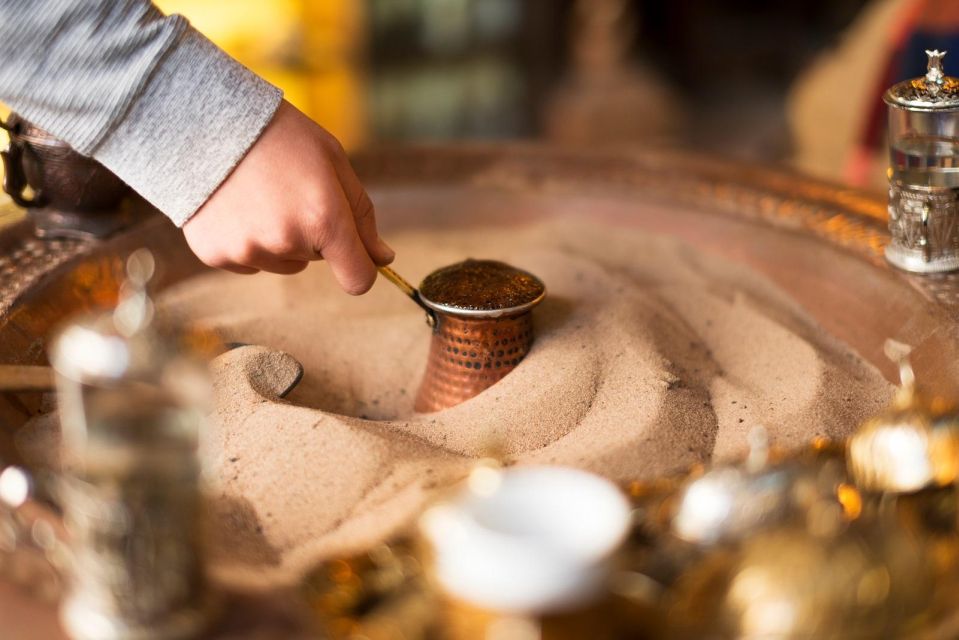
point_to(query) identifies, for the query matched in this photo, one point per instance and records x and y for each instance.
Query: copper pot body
(469, 355)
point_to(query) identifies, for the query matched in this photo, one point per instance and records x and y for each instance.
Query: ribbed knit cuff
(197, 116)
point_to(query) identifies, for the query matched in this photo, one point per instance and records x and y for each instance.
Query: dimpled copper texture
(483, 329)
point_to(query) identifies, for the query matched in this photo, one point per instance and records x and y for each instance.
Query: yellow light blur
(250, 30)
(851, 501)
(485, 480)
(767, 613)
(311, 49)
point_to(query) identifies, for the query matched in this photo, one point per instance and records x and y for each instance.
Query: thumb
(365, 216)
(346, 254)
(362, 207)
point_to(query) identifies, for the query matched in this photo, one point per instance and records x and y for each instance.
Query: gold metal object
(913, 445)
(400, 282)
(410, 291)
(380, 594)
(790, 584)
(730, 503)
(25, 378)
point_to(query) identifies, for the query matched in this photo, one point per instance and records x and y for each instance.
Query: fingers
(264, 262)
(364, 217)
(235, 268)
(278, 265)
(293, 198)
(362, 208)
(254, 258)
(346, 254)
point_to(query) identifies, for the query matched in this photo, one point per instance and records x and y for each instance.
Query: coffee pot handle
(14, 178)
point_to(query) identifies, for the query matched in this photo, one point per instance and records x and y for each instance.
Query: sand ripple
(649, 357)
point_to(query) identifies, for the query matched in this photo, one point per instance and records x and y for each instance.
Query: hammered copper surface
(834, 235)
(483, 328)
(469, 355)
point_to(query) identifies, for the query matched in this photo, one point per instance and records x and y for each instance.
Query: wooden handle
(410, 291)
(15, 377)
(399, 281)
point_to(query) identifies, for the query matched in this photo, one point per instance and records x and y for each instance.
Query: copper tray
(819, 242)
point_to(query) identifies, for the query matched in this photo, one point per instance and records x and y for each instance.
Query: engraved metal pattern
(934, 91)
(922, 223)
(73, 195)
(135, 566)
(29, 259)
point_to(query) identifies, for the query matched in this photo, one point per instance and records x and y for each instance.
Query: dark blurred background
(709, 74)
(792, 81)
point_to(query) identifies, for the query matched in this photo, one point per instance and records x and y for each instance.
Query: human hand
(293, 198)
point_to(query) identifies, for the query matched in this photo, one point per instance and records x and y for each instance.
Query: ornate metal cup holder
(73, 196)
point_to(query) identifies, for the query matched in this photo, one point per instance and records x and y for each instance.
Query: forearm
(143, 93)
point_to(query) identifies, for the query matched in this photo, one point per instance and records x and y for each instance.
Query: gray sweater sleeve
(145, 94)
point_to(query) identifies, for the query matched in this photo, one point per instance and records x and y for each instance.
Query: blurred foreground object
(131, 406)
(791, 552)
(906, 460)
(731, 503)
(526, 553)
(790, 583)
(380, 595)
(914, 445)
(801, 550)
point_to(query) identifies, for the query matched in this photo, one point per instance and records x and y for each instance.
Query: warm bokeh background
(578, 71)
(790, 82)
(313, 49)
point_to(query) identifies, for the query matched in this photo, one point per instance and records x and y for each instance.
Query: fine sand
(649, 357)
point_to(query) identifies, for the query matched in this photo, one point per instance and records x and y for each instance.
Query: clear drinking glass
(924, 147)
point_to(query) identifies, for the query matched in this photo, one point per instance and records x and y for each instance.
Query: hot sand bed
(650, 356)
